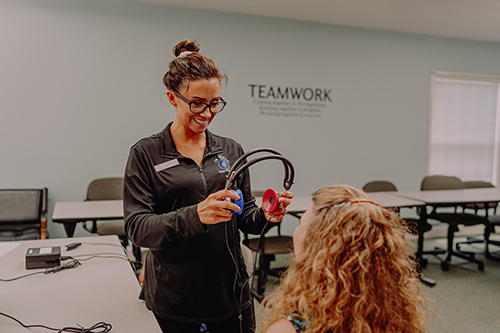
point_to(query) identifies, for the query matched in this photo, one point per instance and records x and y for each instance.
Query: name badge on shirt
(166, 165)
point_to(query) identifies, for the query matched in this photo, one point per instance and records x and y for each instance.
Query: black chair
(453, 219)
(22, 214)
(110, 188)
(379, 186)
(492, 219)
(267, 248)
(478, 206)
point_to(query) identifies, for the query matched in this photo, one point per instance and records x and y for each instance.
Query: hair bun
(186, 45)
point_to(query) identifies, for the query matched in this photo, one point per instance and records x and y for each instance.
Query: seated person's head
(351, 269)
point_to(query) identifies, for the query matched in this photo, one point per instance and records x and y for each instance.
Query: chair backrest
(477, 184)
(106, 189)
(441, 183)
(379, 186)
(19, 206)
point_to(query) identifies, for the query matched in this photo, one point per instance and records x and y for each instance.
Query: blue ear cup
(239, 202)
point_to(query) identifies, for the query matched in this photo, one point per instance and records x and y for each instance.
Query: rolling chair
(492, 219)
(110, 189)
(453, 220)
(22, 214)
(267, 249)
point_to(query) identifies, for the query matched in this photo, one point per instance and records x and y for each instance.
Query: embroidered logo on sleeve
(166, 165)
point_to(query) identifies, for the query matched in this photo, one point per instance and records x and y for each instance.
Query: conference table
(72, 212)
(103, 288)
(439, 198)
(452, 198)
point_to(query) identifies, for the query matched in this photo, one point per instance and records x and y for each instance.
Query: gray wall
(80, 82)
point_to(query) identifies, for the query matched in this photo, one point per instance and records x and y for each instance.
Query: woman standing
(174, 202)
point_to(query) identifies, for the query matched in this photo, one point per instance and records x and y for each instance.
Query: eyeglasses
(200, 107)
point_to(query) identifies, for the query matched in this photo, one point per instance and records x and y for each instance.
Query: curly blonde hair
(354, 273)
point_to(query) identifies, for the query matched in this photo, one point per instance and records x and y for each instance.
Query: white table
(451, 198)
(70, 213)
(436, 198)
(101, 289)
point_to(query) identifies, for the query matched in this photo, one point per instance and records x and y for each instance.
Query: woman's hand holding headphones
(216, 208)
(278, 214)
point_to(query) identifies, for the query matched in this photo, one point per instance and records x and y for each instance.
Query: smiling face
(204, 90)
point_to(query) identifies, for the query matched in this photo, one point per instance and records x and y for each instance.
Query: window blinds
(463, 133)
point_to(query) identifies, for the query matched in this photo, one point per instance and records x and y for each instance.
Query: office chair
(478, 206)
(379, 186)
(22, 214)
(453, 220)
(492, 219)
(387, 186)
(267, 248)
(110, 189)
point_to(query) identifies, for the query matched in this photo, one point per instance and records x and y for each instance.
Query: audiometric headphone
(270, 197)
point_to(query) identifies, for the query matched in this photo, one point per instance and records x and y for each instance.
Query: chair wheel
(445, 266)
(488, 255)
(480, 266)
(457, 247)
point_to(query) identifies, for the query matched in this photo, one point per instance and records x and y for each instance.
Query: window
(464, 126)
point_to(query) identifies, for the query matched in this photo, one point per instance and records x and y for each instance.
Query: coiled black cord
(100, 327)
(71, 264)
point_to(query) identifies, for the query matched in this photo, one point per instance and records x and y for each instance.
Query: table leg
(70, 228)
(420, 247)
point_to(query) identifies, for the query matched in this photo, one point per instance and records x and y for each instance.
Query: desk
(391, 199)
(101, 289)
(436, 198)
(450, 198)
(70, 213)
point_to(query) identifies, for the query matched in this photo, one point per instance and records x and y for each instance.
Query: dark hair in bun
(189, 64)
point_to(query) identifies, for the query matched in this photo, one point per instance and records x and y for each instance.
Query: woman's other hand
(278, 215)
(218, 207)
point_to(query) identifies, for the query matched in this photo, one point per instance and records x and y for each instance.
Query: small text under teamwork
(294, 93)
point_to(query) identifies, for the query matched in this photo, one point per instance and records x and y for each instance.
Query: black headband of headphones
(233, 173)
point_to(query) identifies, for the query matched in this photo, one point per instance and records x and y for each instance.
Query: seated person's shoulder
(281, 326)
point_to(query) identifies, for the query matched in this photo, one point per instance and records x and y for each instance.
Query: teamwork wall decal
(277, 101)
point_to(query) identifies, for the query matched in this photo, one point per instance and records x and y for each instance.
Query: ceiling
(468, 19)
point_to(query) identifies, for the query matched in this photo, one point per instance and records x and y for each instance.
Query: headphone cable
(100, 327)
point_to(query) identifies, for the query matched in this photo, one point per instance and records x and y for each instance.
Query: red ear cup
(270, 200)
